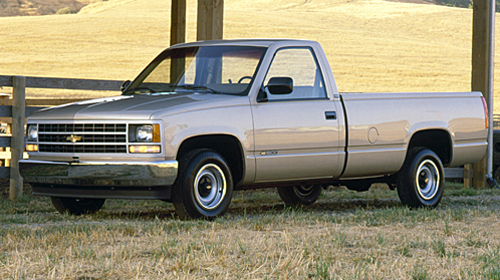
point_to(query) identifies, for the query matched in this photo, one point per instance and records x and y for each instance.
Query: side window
(301, 66)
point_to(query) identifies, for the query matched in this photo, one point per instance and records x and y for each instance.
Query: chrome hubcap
(427, 179)
(303, 190)
(209, 187)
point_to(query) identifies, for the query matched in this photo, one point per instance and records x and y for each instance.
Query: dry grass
(372, 45)
(345, 235)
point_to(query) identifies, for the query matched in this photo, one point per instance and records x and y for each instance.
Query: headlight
(32, 132)
(144, 133)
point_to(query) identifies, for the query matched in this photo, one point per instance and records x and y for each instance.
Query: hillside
(372, 45)
(10, 8)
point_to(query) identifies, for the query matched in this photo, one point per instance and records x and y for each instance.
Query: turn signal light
(156, 133)
(143, 149)
(32, 147)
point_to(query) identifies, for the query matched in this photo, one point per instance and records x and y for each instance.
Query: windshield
(209, 69)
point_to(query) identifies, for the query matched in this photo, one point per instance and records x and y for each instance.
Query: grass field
(345, 235)
(372, 45)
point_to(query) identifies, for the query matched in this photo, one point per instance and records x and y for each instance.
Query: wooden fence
(14, 110)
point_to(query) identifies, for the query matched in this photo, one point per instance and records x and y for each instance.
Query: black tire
(421, 180)
(496, 175)
(299, 195)
(77, 206)
(204, 187)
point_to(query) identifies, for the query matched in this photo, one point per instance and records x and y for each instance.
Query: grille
(82, 138)
(86, 138)
(82, 148)
(87, 127)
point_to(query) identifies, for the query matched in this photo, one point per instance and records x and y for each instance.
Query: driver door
(296, 134)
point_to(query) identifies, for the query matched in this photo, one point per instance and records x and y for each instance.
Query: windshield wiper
(198, 87)
(139, 90)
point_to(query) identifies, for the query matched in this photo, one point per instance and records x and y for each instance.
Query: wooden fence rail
(13, 112)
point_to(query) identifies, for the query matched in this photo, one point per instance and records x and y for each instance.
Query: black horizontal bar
(65, 83)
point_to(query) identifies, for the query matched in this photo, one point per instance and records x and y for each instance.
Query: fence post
(210, 21)
(178, 22)
(468, 170)
(17, 140)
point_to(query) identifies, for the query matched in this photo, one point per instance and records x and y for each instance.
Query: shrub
(65, 11)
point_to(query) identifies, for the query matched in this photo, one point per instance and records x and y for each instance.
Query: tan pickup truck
(207, 118)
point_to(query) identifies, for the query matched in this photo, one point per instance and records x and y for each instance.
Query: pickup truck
(205, 119)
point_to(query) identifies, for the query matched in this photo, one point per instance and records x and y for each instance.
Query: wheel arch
(437, 140)
(228, 146)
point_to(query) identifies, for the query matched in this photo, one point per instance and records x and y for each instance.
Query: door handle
(331, 115)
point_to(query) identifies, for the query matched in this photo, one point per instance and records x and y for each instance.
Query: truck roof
(243, 42)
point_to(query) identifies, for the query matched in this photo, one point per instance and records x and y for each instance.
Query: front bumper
(99, 179)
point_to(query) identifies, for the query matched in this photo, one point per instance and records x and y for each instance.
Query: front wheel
(421, 180)
(299, 195)
(77, 206)
(204, 187)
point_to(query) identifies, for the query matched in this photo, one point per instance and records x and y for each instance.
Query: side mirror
(125, 85)
(280, 85)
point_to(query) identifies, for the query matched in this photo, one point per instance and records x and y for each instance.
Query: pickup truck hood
(134, 106)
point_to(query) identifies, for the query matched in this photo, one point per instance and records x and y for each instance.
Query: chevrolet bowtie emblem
(73, 138)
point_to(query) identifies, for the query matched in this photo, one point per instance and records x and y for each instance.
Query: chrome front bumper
(96, 173)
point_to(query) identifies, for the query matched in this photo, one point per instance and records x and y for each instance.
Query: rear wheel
(421, 180)
(204, 187)
(496, 175)
(77, 206)
(299, 195)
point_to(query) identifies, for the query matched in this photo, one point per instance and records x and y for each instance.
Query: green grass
(419, 273)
